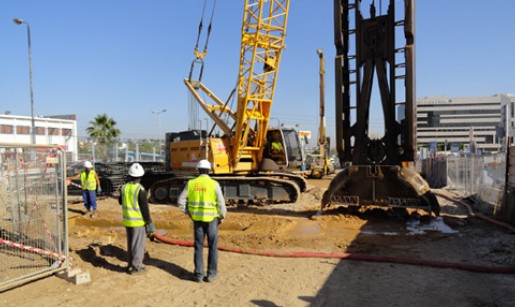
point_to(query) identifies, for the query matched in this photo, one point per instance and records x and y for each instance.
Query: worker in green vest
(277, 146)
(90, 185)
(136, 218)
(202, 199)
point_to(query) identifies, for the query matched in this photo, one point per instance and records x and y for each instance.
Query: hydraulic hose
(351, 256)
(371, 258)
(471, 212)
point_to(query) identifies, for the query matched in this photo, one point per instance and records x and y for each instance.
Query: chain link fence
(481, 176)
(33, 228)
(120, 151)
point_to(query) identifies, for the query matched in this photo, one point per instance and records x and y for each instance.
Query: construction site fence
(509, 210)
(33, 211)
(119, 151)
(483, 177)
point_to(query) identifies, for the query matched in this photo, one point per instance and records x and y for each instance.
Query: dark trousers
(201, 229)
(135, 246)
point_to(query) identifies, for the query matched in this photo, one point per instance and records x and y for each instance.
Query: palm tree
(103, 130)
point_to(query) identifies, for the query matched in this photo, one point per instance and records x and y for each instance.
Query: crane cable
(199, 56)
(200, 26)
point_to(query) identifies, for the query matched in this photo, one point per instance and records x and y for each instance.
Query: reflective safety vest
(202, 199)
(132, 216)
(277, 147)
(88, 180)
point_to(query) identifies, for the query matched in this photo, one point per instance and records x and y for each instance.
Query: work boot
(129, 269)
(138, 271)
(211, 278)
(86, 212)
(198, 278)
(94, 214)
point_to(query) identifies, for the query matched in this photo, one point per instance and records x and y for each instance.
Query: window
(22, 130)
(53, 131)
(40, 130)
(6, 129)
(66, 132)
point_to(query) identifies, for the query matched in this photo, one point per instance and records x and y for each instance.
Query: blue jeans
(90, 199)
(201, 229)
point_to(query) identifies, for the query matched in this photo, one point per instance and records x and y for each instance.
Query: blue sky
(128, 57)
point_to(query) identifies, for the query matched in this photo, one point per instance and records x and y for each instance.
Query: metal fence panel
(511, 171)
(483, 176)
(33, 228)
(118, 151)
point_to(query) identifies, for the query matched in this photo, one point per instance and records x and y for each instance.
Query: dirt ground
(98, 246)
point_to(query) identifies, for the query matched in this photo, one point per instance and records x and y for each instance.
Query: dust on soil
(98, 246)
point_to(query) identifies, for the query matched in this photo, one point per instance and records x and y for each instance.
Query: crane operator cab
(275, 147)
(284, 147)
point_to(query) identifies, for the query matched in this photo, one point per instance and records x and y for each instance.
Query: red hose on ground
(479, 215)
(372, 258)
(352, 256)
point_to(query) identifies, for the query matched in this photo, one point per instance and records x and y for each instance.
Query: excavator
(248, 172)
(378, 171)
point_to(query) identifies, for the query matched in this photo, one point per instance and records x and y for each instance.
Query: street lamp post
(19, 21)
(158, 121)
(158, 126)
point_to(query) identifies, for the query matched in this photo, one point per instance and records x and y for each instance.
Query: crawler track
(238, 190)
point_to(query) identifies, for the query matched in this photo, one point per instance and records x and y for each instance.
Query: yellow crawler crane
(239, 157)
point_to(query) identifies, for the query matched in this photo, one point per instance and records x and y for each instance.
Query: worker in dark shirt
(136, 218)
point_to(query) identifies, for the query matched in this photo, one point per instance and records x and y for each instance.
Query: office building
(482, 122)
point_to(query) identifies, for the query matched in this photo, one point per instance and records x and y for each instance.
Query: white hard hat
(136, 170)
(204, 164)
(88, 164)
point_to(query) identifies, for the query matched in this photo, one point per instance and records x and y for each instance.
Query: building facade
(53, 130)
(482, 122)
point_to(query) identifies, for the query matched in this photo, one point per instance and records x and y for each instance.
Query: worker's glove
(220, 220)
(149, 229)
(99, 190)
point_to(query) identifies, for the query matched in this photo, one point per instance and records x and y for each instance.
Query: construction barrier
(33, 228)
(480, 176)
(507, 211)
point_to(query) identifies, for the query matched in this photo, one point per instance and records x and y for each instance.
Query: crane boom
(262, 42)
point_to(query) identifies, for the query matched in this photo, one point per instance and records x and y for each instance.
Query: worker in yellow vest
(136, 218)
(202, 199)
(276, 145)
(90, 185)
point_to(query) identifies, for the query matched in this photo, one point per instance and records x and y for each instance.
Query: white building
(464, 120)
(53, 130)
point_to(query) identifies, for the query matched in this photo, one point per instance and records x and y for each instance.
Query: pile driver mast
(376, 171)
(319, 165)
(322, 138)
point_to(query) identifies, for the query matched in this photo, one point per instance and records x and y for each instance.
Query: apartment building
(54, 130)
(482, 121)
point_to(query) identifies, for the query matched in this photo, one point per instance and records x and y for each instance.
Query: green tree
(103, 130)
